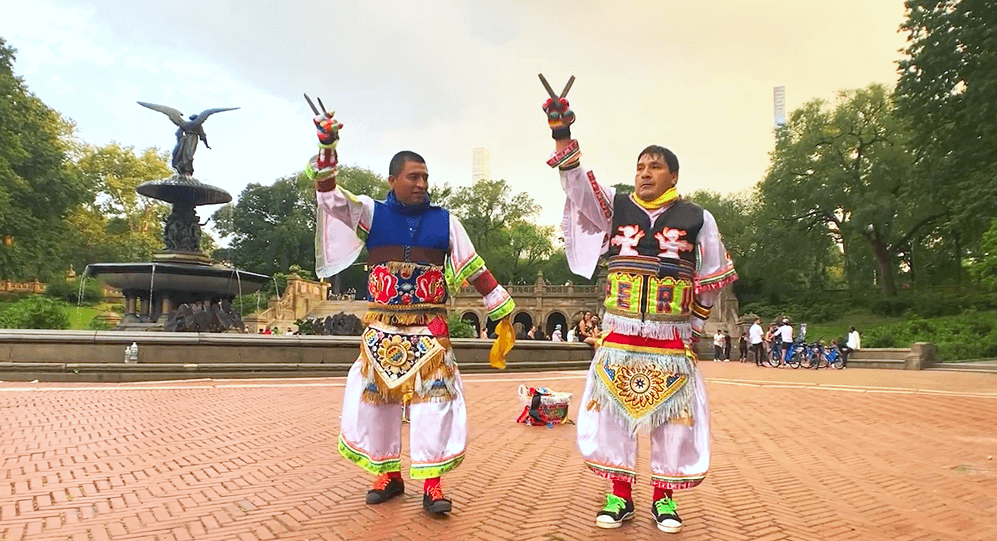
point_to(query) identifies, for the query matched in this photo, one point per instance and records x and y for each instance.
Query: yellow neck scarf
(662, 200)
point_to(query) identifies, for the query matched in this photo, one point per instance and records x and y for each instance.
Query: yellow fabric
(662, 200)
(505, 339)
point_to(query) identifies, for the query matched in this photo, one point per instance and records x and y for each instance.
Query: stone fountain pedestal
(180, 284)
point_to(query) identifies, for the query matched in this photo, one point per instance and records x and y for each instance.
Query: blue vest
(390, 228)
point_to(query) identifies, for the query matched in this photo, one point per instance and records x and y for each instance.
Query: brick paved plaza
(828, 455)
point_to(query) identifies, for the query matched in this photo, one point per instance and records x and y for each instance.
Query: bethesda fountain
(180, 289)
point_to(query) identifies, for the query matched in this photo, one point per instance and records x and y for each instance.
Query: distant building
(779, 103)
(481, 167)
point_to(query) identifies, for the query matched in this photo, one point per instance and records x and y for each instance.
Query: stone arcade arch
(554, 319)
(472, 318)
(525, 319)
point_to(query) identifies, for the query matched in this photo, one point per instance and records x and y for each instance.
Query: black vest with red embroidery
(652, 265)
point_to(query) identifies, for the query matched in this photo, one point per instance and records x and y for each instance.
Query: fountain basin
(153, 291)
(184, 189)
(194, 279)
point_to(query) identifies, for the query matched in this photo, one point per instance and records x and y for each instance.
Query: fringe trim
(422, 386)
(609, 472)
(362, 459)
(660, 330)
(407, 267)
(676, 483)
(677, 406)
(399, 318)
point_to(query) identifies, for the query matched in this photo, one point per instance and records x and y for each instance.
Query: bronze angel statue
(187, 135)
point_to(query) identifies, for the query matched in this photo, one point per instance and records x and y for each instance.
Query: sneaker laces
(382, 481)
(614, 503)
(436, 493)
(665, 506)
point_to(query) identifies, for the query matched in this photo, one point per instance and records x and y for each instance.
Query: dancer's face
(653, 177)
(411, 184)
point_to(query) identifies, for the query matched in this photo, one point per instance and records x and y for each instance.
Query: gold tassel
(505, 339)
(402, 318)
(364, 363)
(399, 267)
(374, 398)
(592, 406)
(437, 368)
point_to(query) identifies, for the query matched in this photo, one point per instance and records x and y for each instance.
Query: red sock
(394, 475)
(622, 489)
(430, 483)
(660, 492)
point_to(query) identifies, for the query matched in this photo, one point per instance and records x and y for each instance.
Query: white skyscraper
(779, 103)
(481, 165)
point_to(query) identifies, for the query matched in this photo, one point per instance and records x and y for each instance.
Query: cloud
(443, 77)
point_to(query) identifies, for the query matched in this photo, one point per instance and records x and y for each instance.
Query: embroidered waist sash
(405, 293)
(409, 361)
(644, 381)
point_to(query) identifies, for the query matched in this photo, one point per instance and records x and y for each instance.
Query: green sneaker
(665, 513)
(616, 511)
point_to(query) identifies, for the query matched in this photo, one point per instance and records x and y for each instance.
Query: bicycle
(775, 354)
(797, 354)
(816, 358)
(834, 357)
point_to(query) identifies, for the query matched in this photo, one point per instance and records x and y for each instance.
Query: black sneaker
(385, 488)
(665, 513)
(616, 511)
(434, 502)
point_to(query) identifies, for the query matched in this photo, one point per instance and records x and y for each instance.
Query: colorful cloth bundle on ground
(543, 407)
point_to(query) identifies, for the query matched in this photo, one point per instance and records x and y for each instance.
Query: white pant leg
(680, 454)
(371, 434)
(437, 434)
(606, 446)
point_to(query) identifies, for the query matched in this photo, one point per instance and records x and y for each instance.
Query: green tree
(459, 328)
(556, 271)
(948, 90)
(529, 247)
(624, 188)
(985, 268)
(845, 171)
(360, 180)
(273, 227)
(37, 190)
(500, 225)
(758, 243)
(734, 214)
(117, 224)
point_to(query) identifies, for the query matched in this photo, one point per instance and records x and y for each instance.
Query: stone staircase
(331, 308)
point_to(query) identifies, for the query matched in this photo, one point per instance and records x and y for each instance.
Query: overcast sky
(442, 78)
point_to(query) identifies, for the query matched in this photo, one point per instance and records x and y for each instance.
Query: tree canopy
(844, 170)
(500, 225)
(37, 190)
(116, 224)
(273, 227)
(948, 89)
